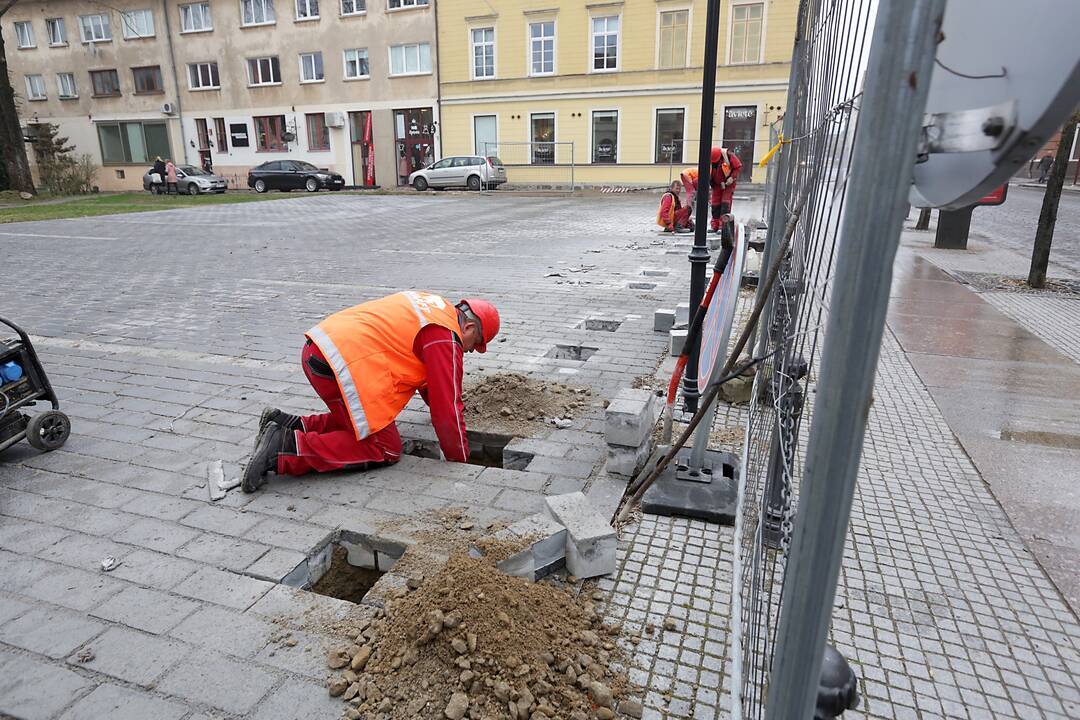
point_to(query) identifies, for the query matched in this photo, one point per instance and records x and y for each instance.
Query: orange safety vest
(675, 205)
(370, 348)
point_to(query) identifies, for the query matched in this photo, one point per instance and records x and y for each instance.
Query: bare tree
(12, 146)
(1044, 235)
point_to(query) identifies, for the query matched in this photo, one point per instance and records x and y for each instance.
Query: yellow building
(614, 86)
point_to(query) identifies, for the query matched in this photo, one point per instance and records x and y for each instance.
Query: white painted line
(58, 237)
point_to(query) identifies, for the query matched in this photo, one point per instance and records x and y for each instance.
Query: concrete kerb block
(663, 320)
(678, 342)
(682, 314)
(591, 541)
(630, 417)
(626, 461)
(545, 553)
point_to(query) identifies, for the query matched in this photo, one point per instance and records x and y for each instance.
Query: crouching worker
(365, 363)
(672, 215)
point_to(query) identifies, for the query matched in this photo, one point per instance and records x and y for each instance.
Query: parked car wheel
(420, 184)
(312, 185)
(192, 189)
(474, 182)
(260, 186)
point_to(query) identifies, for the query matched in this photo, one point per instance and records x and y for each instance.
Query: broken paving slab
(543, 550)
(591, 542)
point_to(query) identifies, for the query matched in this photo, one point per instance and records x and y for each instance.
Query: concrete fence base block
(591, 541)
(542, 556)
(663, 320)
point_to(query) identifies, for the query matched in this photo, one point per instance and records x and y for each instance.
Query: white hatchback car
(470, 171)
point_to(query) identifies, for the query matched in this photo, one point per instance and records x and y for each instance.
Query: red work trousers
(328, 441)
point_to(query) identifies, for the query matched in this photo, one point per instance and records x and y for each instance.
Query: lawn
(56, 209)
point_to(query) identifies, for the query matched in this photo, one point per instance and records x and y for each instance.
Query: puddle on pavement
(1043, 437)
(571, 352)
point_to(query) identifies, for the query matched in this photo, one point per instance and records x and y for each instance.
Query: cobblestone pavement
(166, 332)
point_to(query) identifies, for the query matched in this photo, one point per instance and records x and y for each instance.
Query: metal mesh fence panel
(535, 166)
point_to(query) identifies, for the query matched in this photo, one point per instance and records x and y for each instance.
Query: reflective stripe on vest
(345, 381)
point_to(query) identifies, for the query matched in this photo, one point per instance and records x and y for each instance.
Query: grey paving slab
(206, 677)
(145, 609)
(298, 700)
(224, 588)
(34, 690)
(50, 631)
(227, 631)
(119, 703)
(132, 656)
(154, 569)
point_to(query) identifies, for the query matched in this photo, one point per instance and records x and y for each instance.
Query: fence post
(895, 90)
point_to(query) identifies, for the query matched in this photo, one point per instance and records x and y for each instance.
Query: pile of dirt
(514, 404)
(469, 641)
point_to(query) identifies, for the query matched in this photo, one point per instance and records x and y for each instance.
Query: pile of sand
(469, 641)
(514, 404)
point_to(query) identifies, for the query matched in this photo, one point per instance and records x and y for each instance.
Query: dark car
(292, 175)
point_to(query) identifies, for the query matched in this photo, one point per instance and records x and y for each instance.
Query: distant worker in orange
(672, 215)
(366, 362)
(689, 178)
(722, 178)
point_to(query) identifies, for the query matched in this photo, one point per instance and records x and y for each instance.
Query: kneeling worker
(365, 363)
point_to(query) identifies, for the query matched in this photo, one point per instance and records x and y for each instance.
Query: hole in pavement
(571, 352)
(641, 285)
(603, 324)
(345, 581)
(346, 566)
(485, 448)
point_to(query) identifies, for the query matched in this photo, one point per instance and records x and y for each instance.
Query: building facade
(608, 91)
(349, 85)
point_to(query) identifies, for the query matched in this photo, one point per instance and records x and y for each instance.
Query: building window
(486, 135)
(318, 135)
(605, 136)
(264, 71)
(356, 64)
(307, 9)
(483, 50)
(222, 135)
(268, 132)
(195, 17)
(147, 80)
(353, 7)
(126, 143)
(542, 48)
(203, 76)
(24, 31)
(669, 135)
(137, 24)
(311, 67)
(605, 43)
(35, 87)
(543, 138)
(65, 83)
(94, 28)
(57, 31)
(746, 33)
(673, 31)
(258, 12)
(398, 4)
(410, 59)
(106, 83)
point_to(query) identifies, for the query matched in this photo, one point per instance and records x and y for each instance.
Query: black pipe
(699, 254)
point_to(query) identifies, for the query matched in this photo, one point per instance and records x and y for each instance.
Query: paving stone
(677, 341)
(29, 537)
(543, 555)
(516, 479)
(120, 703)
(591, 542)
(72, 588)
(154, 534)
(288, 534)
(34, 690)
(224, 588)
(289, 604)
(222, 551)
(663, 320)
(84, 551)
(154, 569)
(298, 700)
(144, 609)
(132, 656)
(306, 658)
(206, 677)
(223, 520)
(275, 564)
(624, 461)
(49, 631)
(227, 631)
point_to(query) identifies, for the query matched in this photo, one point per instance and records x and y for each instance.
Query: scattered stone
(455, 709)
(338, 686)
(86, 655)
(360, 659)
(631, 708)
(352, 691)
(337, 658)
(670, 624)
(460, 646)
(604, 713)
(414, 582)
(601, 694)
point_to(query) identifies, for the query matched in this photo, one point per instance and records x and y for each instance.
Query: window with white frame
(56, 30)
(137, 24)
(356, 64)
(203, 76)
(398, 4)
(353, 7)
(605, 43)
(24, 32)
(543, 138)
(95, 28)
(311, 67)
(65, 84)
(746, 32)
(483, 50)
(35, 87)
(410, 59)
(673, 33)
(195, 17)
(307, 9)
(264, 71)
(257, 12)
(542, 48)
(670, 123)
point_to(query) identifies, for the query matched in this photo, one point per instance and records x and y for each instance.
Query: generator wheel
(49, 430)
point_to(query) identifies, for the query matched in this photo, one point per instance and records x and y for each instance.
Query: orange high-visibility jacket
(370, 348)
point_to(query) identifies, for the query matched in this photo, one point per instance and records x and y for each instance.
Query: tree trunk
(12, 146)
(924, 219)
(1044, 235)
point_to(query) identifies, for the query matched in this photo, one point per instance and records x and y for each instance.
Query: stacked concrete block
(663, 320)
(628, 424)
(543, 547)
(591, 542)
(682, 314)
(678, 341)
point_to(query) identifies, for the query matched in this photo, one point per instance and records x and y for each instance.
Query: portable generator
(22, 384)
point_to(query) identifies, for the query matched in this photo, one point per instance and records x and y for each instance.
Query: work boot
(265, 457)
(272, 416)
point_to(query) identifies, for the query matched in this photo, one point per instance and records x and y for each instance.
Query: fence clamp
(971, 130)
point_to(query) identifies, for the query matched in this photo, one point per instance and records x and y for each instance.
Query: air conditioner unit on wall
(334, 119)
(168, 108)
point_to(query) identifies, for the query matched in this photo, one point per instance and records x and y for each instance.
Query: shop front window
(543, 138)
(605, 136)
(414, 131)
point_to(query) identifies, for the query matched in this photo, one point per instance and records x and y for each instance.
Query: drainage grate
(571, 352)
(485, 448)
(602, 324)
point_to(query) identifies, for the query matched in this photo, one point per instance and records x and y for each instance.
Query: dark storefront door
(414, 131)
(361, 135)
(740, 126)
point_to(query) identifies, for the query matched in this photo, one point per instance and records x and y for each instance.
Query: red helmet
(488, 316)
(716, 155)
